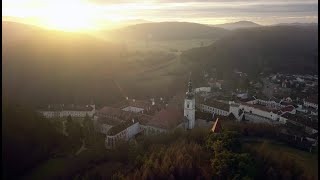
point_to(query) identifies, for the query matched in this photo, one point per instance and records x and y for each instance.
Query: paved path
(82, 148)
(64, 128)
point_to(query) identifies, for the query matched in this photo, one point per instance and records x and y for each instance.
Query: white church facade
(190, 106)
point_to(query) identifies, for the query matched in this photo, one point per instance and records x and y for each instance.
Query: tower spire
(190, 84)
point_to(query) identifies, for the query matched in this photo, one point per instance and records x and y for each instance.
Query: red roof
(217, 126)
(260, 107)
(123, 115)
(287, 108)
(312, 99)
(167, 118)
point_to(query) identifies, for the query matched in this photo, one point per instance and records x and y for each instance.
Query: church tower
(189, 106)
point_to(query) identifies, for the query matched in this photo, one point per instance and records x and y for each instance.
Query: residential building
(311, 101)
(61, 110)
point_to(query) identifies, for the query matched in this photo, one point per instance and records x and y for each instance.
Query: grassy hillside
(278, 49)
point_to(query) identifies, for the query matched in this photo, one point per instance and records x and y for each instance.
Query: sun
(70, 17)
(65, 15)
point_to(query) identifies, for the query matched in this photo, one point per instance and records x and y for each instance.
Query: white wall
(259, 112)
(283, 120)
(153, 130)
(309, 104)
(52, 114)
(189, 112)
(214, 110)
(133, 130)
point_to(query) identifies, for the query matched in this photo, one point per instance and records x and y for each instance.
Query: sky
(95, 14)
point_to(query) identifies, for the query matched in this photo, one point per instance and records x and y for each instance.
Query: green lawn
(308, 160)
(62, 167)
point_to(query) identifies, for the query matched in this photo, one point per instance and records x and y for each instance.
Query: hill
(167, 31)
(277, 49)
(46, 66)
(42, 66)
(237, 25)
(297, 24)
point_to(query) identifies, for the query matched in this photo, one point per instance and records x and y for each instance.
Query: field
(170, 45)
(308, 160)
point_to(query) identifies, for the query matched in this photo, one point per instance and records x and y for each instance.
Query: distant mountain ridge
(167, 31)
(237, 25)
(296, 24)
(291, 49)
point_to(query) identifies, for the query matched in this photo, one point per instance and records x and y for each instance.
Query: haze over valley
(178, 89)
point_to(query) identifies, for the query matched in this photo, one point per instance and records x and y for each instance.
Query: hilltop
(167, 31)
(237, 25)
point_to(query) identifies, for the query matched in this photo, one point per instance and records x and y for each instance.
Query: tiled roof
(109, 121)
(110, 111)
(117, 129)
(263, 108)
(217, 126)
(215, 104)
(301, 119)
(116, 113)
(287, 108)
(137, 103)
(312, 99)
(168, 118)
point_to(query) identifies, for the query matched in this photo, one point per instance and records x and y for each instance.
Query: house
(290, 109)
(109, 117)
(213, 106)
(120, 125)
(141, 106)
(268, 102)
(203, 90)
(311, 101)
(61, 110)
(308, 124)
(242, 95)
(166, 120)
(254, 113)
(122, 132)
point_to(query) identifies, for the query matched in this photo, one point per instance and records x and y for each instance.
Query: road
(82, 148)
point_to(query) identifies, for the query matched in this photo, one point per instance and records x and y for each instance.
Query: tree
(229, 139)
(75, 132)
(88, 130)
(27, 138)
